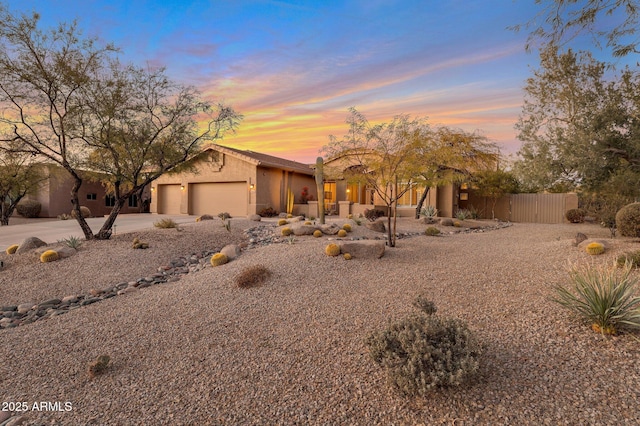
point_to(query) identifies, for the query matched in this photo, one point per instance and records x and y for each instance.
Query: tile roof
(271, 161)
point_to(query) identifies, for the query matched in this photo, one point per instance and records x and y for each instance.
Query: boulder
(580, 237)
(363, 249)
(231, 251)
(304, 230)
(377, 226)
(330, 229)
(446, 221)
(30, 243)
(255, 217)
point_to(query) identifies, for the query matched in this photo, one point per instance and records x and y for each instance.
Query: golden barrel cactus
(342, 233)
(282, 222)
(332, 249)
(346, 227)
(49, 256)
(219, 259)
(286, 231)
(317, 233)
(595, 248)
(347, 256)
(12, 249)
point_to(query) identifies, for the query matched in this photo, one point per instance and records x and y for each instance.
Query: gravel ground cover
(202, 351)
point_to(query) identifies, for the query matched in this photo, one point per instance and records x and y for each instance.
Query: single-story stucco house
(239, 182)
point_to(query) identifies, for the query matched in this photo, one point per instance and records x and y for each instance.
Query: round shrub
(49, 256)
(347, 256)
(84, 211)
(317, 233)
(632, 258)
(253, 276)
(332, 249)
(423, 352)
(342, 233)
(432, 231)
(282, 222)
(29, 208)
(219, 259)
(628, 220)
(595, 248)
(12, 249)
(346, 227)
(575, 215)
(286, 231)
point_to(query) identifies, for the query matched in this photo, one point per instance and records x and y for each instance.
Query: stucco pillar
(344, 208)
(313, 208)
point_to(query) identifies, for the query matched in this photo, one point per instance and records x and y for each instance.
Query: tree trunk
(75, 202)
(390, 234)
(106, 230)
(6, 210)
(421, 202)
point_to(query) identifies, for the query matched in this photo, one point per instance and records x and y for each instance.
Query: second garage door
(214, 198)
(169, 199)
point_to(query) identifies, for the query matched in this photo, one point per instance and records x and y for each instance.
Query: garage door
(214, 198)
(169, 197)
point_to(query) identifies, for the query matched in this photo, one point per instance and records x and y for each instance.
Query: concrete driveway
(50, 231)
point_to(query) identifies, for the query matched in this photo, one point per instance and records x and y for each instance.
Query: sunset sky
(293, 68)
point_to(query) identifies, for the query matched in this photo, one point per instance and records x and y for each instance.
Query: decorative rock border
(26, 313)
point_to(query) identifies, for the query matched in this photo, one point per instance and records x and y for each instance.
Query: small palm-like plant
(606, 297)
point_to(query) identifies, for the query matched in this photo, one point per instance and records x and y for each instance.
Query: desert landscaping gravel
(201, 351)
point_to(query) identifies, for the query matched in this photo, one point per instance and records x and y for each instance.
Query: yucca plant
(604, 296)
(72, 241)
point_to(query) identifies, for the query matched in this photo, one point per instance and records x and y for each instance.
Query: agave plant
(606, 297)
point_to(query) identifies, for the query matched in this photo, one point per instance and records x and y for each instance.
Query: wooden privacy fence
(531, 208)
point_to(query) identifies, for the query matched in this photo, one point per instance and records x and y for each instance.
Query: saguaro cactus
(320, 187)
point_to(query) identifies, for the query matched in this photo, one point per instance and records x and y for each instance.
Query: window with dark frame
(110, 201)
(92, 196)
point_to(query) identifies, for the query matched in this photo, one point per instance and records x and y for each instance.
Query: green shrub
(575, 215)
(628, 220)
(252, 276)
(603, 296)
(165, 223)
(373, 214)
(29, 208)
(224, 215)
(268, 212)
(423, 352)
(432, 231)
(632, 257)
(425, 305)
(84, 211)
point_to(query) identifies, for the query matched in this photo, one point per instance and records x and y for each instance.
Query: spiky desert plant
(219, 259)
(632, 257)
(49, 256)
(317, 233)
(71, 241)
(347, 256)
(12, 249)
(252, 276)
(332, 249)
(432, 231)
(342, 233)
(98, 366)
(604, 296)
(286, 231)
(423, 352)
(165, 223)
(346, 227)
(595, 248)
(282, 222)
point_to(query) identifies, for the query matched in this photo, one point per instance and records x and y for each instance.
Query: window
(92, 196)
(133, 201)
(109, 201)
(411, 197)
